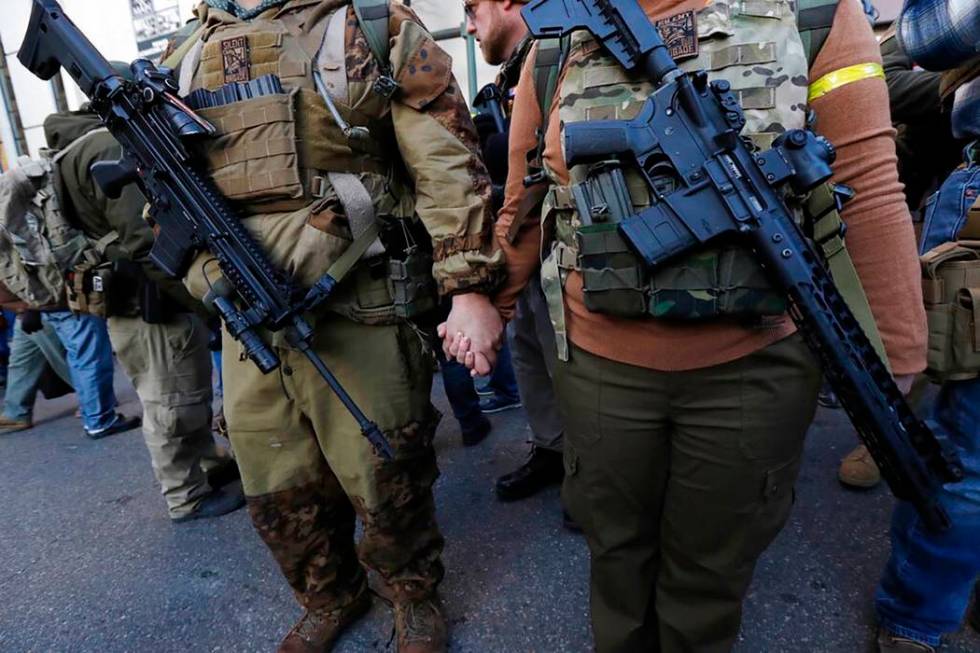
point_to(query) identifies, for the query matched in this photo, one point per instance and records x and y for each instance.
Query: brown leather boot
(858, 469)
(420, 624)
(317, 630)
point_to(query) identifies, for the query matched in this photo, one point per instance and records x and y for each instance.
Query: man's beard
(494, 44)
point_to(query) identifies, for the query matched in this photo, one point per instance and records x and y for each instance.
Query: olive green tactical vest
(756, 46)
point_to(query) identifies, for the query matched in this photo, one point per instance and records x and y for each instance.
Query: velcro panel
(743, 54)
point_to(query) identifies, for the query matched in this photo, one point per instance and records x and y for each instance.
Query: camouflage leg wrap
(310, 532)
(401, 539)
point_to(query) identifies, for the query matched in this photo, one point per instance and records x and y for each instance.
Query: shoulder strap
(184, 40)
(814, 19)
(372, 16)
(547, 66)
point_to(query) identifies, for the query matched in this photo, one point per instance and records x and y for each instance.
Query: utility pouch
(951, 290)
(411, 285)
(88, 289)
(253, 159)
(614, 279)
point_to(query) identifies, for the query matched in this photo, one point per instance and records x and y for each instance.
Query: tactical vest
(756, 46)
(287, 165)
(38, 246)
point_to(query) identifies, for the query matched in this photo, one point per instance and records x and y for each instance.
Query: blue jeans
(926, 585)
(461, 392)
(89, 353)
(27, 357)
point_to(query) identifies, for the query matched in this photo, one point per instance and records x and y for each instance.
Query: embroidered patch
(680, 34)
(235, 56)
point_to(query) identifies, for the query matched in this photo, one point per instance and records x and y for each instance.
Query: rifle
(489, 101)
(689, 129)
(152, 124)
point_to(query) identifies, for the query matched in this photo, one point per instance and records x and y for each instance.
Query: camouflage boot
(317, 630)
(419, 622)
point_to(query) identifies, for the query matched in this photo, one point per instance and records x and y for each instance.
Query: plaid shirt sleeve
(940, 34)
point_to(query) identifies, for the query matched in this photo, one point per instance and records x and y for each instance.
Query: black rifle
(689, 130)
(489, 101)
(152, 124)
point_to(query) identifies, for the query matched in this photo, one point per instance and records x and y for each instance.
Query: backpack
(38, 245)
(950, 258)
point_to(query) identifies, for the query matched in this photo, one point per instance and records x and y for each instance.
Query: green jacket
(86, 206)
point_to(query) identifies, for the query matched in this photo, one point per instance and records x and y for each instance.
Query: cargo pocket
(254, 158)
(777, 494)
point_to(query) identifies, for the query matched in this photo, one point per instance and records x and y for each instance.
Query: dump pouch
(951, 290)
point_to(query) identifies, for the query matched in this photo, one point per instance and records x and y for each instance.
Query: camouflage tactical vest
(38, 246)
(277, 156)
(756, 46)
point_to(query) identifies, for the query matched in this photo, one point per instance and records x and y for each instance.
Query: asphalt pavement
(89, 560)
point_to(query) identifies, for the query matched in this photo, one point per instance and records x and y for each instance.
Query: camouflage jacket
(426, 161)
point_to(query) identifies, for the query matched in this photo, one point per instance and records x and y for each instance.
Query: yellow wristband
(842, 77)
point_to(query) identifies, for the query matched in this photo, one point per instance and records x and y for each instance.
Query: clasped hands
(473, 333)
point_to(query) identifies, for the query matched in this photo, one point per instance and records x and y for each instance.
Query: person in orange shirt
(686, 397)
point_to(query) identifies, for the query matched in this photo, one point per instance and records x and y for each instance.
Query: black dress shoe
(543, 468)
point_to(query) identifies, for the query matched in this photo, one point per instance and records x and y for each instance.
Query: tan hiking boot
(421, 626)
(8, 425)
(317, 630)
(891, 643)
(858, 469)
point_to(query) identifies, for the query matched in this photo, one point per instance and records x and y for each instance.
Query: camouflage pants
(308, 472)
(170, 367)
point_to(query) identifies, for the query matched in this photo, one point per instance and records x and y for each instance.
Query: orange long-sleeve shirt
(855, 118)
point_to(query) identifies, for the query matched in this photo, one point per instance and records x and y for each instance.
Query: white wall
(109, 25)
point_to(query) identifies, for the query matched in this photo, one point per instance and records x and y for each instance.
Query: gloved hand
(30, 322)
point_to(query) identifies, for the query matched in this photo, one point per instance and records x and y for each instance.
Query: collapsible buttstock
(53, 41)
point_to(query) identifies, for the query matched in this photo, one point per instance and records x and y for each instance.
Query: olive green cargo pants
(307, 470)
(680, 480)
(170, 367)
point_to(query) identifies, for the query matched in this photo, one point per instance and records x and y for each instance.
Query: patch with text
(680, 34)
(235, 57)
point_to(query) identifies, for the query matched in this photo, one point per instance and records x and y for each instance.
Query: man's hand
(473, 332)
